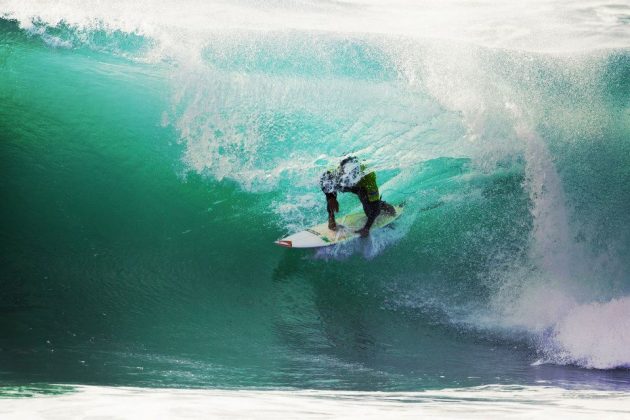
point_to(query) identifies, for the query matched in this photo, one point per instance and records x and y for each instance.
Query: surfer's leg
(372, 210)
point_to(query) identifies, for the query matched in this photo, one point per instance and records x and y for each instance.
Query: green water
(135, 251)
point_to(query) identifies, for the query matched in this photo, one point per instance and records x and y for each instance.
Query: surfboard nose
(285, 243)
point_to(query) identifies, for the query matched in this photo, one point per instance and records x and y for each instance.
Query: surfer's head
(349, 171)
(348, 174)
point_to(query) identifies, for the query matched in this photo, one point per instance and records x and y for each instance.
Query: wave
(510, 151)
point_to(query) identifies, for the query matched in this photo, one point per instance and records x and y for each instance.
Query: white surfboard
(320, 235)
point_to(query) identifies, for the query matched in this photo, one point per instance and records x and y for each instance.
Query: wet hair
(348, 159)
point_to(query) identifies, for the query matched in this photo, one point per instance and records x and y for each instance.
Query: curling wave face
(204, 126)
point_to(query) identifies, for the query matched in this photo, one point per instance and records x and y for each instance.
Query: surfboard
(319, 235)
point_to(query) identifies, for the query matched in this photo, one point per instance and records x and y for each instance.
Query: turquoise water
(146, 173)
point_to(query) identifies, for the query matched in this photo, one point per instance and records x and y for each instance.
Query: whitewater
(152, 151)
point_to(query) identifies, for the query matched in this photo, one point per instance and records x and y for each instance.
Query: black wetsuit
(371, 208)
(367, 191)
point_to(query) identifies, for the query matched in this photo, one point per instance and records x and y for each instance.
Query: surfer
(350, 176)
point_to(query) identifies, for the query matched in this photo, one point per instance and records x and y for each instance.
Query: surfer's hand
(333, 205)
(363, 232)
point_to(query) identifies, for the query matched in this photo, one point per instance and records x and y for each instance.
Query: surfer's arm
(328, 182)
(332, 206)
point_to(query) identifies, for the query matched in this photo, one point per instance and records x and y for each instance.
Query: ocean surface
(152, 151)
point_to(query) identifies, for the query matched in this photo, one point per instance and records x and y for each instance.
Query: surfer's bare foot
(363, 232)
(332, 225)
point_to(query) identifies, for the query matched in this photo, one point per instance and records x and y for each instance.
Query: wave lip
(538, 25)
